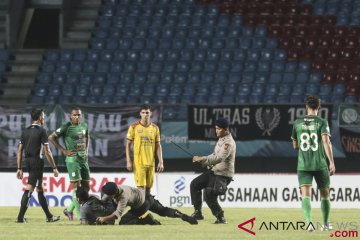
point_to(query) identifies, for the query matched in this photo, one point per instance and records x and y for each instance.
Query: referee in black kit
(33, 138)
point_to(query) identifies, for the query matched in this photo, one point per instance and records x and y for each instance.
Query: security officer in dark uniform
(214, 181)
(33, 139)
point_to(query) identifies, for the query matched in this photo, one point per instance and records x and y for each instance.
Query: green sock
(75, 204)
(325, 210)
(71, 207)
(306, 206)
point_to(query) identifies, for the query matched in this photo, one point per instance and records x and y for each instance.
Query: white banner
(57, 190)
(173, 190)
(261, 191)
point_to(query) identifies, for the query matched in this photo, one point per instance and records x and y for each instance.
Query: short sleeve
(157, 135)
(131, 133)
(22, 138)
(44, 137)
(293, 132)
(325, 129)
(61, 131)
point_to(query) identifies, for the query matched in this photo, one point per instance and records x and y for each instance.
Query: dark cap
(110, 188)
(222, 123)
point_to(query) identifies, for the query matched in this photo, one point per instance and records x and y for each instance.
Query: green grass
(171, 229)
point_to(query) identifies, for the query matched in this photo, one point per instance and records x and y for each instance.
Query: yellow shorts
(144, 176)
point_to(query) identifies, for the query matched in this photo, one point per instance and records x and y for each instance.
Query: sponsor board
(57, 190)
(173, 190)
(261, 191)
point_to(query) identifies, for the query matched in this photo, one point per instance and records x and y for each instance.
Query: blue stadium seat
(82, 90)
(239, 55)
(99, 78)
(312, 89)
(156, 66)
(269, 99)
(234, 32)
(142, 67)
(44, 78)
(59, 78)
(325, 89)
(351, 99)
(140, 77)
(93, 55)
(86, 78)
(282, 99)
(63, 67)
(37, 99)
(253, 54)
(225, 66)
(271, 89)
(245, 43)
(80, 55)
(153, 78)
(40, 90)
(89, 67)
(186, 55)
(221, 77)
(106, 56)
(210, 66)
(250, 66)
(339, 89)
(48, 67)
(68, 90)
(97, 43)
(51, 55)
(173, 55)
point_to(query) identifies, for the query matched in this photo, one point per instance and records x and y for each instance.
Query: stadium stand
(269, 54)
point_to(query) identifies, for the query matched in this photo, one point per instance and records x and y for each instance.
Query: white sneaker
(326, 227)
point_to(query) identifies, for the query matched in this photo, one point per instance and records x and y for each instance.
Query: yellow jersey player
(146, 138)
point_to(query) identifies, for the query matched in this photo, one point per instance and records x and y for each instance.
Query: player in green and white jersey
(311, 136)
(76, 138)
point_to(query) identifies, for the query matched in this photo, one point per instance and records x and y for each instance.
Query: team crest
(267, 119)
(140, 130)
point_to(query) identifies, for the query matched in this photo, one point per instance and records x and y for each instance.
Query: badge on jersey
(140, 130)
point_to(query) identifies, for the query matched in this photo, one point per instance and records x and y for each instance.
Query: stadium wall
(246, 191)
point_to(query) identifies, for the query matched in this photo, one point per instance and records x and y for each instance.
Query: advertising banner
(248, 122)
(350, 142)
(173, 190)
(107, 125)
(349, 115)
(261, 191)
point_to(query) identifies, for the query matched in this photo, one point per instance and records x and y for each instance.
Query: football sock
(24, 203)
(76, 203)
(306, 206)
(44, 204)
(71, 207)
(325, 210)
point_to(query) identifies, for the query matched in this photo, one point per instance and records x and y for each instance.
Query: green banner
(349, 115)
(107, 126)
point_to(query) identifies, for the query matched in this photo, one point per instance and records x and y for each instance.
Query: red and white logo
(241, 226)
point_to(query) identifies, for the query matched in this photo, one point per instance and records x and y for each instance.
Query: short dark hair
(76, 108)
(145, 106)
(110, 188)
(36, 113)
(82, 193)
(313, 102)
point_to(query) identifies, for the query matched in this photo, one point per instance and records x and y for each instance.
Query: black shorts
(138, 212)
(35, 167)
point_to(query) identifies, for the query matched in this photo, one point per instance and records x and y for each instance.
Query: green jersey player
(76, 138)
(311, 136)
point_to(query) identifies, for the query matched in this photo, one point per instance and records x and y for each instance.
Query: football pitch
(346, 221)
